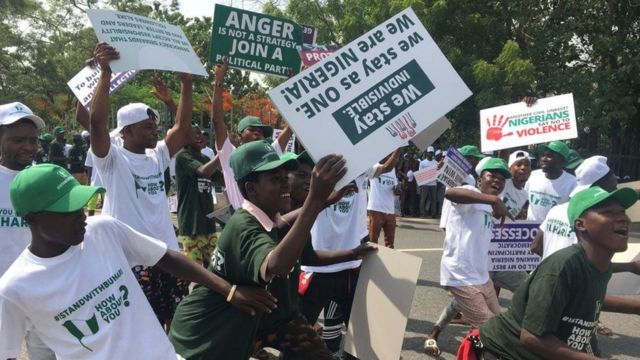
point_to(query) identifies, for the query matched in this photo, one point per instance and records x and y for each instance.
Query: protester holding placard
(19, 129)
(132, 173)
(341, 226)
(250, 129)
(550, 185)
(554, 314)
(464, 269)
(381, 205)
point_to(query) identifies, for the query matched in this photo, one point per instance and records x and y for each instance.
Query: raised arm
(284, 137)
(389, 164)
(179, 135)
(82, 116)
(325, 175)
(99, 131)
(461, 195)
(207, 169)
(162, 92)
(217, 117)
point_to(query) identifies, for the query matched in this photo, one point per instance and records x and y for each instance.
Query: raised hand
(103, 54)
(160, 89)
(251, 299)
(335, 196)
(327, 172)
(221, 70)
(495, 127)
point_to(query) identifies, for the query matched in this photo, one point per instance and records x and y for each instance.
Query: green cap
(495, 164)
(253, 121)
(574, 160)
(557, 147)
(59, 130)
(471, 150)
(590, 197)
(303, 157)
(257, 156)
(77, 137)
(46, 137)
(48, 187)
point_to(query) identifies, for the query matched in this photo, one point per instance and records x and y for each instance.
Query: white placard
(145, 43)
(426, 175)
(428, 136)
(381, 304)
(371, 96)
(514, 125)
(84, 82)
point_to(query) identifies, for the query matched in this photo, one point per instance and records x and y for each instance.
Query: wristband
(231, 293)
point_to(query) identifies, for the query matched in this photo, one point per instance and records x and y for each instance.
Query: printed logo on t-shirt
(386, 181)
(488, 221)
(217, 261)
(344, 205)
(8, 219)
(108, 308)
(558, 227)
(152, 184)
(204, 185)
(542, 199)
(580, 338)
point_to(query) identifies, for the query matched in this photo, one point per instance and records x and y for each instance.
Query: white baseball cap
(481, 164)
(84, 134)
(132, 114)
(430, 149)
(591, 170)
(518, 155)
(10, 113)
(438, 152)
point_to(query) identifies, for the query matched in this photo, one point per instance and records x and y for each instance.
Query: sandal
(431, 348)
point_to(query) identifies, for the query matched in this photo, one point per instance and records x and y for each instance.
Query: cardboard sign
(84, 82)
(454, 169)
(426, 175)
(290, 144)
(428, 136)
(371, 96)
(514, 125)
(255, 42)
(509, 248)
(625, 283)
(310, 55)
(145, 43)
(309, 34)
(386, 285)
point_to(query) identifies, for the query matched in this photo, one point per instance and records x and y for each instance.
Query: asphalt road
(429, 300)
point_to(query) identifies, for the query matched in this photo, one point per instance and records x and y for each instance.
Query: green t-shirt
(41, 157)
(194, 195)
(77, 155)
(57, 149)
(205, 325)
(562, 297)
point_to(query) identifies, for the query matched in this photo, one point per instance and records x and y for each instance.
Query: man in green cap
(554, 313)
(195, 199)
(551, 184)
(42, 156)
(250, 129)
(57, 148)
(250, 252)
(73, 283)
(463, 268)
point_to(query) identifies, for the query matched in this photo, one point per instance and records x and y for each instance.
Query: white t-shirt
(342, 225)
(544, 193)
(136, 190)
(428, 164)
(513, 197)
(557, 230)
(382, 198)
(208, 152)
(14, 231)
(446, 204)
(88, 162)
(233, 191)
(465, 256)
(86, 302)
